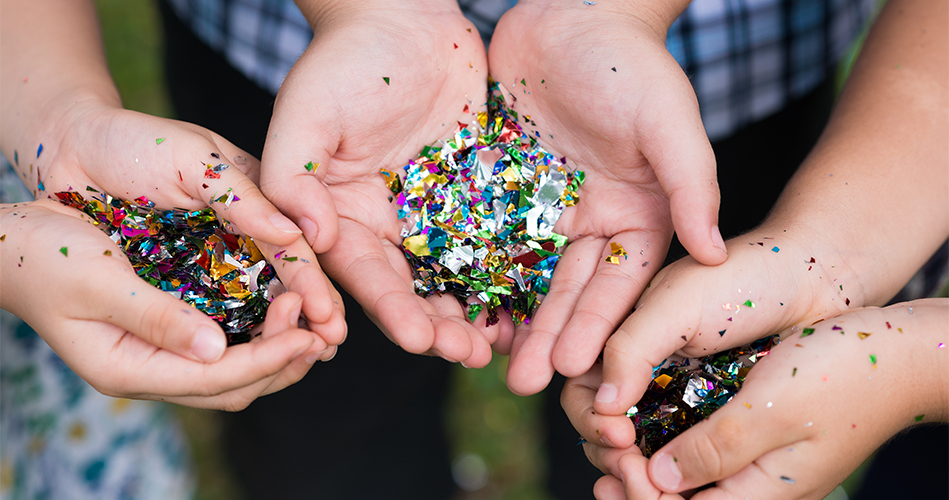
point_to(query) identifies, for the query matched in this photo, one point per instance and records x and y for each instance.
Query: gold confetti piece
(747, 405)
(863, 335)
(107, 253)
(663, 380)
(616, 251)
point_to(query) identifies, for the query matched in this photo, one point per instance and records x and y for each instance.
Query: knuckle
(723, 439)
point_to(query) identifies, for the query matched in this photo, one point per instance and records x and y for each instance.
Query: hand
(118, 152)
(374, 87)
(106, 323)
(808, 414)
(600, 88)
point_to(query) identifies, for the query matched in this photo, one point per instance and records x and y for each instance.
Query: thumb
(295, 161)
(157, 317)
(684, 164)
(719, 447)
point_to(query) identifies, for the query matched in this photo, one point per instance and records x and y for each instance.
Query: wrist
(323, 12)
(658, 15)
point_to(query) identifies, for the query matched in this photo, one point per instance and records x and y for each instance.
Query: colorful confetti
(386, 79)
(159, 140)
(919, 418)
(685, 391)
(64, 251)
(39, 151)
(189, 255)
(478, 212)
(863, 335)
(775, 249)
(806, 332)
(311, 167)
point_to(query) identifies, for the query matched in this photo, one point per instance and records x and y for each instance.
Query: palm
(601, 98)
(370, 94)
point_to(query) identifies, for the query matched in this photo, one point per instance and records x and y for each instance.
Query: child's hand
(600, 88)
(807, 415)
(70, 282)
(129, 154)
(380, 81)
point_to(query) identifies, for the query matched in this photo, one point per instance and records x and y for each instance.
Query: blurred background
(497, 438)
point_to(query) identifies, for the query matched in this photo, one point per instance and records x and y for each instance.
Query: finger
(163, 373)
(360, 264)
(608, 488)
(681, 156)
(606, 430)
(296, 156)
(236, 199)
(531, 364)
(605, 302)
(632, 468)
(300, 272)
(529, 369)
(505, 339)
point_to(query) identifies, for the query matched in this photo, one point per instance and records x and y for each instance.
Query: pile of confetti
(684, 392)
(189, 255)
(478, 213)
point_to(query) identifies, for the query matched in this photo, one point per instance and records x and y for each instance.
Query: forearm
(874, 191)
(52, 61)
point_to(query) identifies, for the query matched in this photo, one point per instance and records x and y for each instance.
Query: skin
(618, 106)
(336, 109)
(56, 91)
(863, 213)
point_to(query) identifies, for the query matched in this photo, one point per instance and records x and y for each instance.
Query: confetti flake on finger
(64, 251)
(616, 251)
(863, 335)
(386, 79)
(189, 255)
(311, 167)
(478, 212)
(685, 391)
(159, 140)
(807, 332)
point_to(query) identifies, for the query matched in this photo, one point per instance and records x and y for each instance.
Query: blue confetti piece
(721, 333)
(775, 249)
(16, 158)
(39, 151)
(40, 186)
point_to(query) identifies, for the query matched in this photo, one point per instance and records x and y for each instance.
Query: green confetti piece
(873, 358)
(749, 303)
(473, 310)
(523, 82)
(794, 371)
(64, 251)
(290, 259)
(542, 81)
(806, 332)
(386, 79)
(310, 166)
(159, 140)
(919, 418)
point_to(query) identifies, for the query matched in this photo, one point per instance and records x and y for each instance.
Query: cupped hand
(179, 165)
(596, 84)
(377, 84)
(807, 415)
(70, 282)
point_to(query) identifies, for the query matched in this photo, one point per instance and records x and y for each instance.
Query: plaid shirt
(746, 59)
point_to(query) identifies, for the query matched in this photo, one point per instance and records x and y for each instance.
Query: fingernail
(607, 393)
(331, 357)
(717, 240)
(208, 345)
(283, 224)
(310, 230)
(463, 364)
(666, 473)
(310, 359)
(605, 440)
